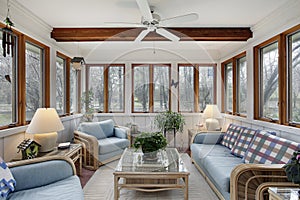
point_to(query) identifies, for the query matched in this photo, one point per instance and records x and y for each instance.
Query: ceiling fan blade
(145, 9)
(142, 34)
(124, 24)
(167, 34)
(179, 19)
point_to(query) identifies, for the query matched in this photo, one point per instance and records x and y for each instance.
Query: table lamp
(212, 114)
(44, 125)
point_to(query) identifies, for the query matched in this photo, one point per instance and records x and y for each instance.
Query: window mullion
(105, 106)
(196, 88)
(151, 97)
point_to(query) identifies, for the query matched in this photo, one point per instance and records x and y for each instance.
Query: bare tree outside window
(73, 90)
(116, 89)
(141, 88)
(206, 86)
(60, 85)
(96, 86)
(161, 83)
(186, 88)
(269, 81)
(229, 87)
(241, 85)
(7, 88)
(294, 77)
(34, 81)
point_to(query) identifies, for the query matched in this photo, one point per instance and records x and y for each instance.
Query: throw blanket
(7, 181)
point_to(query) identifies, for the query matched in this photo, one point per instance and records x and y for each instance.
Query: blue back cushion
(107, 127)
(92, 128)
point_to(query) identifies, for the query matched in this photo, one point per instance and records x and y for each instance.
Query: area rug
(100, 186)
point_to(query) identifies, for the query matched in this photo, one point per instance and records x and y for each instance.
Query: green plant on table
(150, 142)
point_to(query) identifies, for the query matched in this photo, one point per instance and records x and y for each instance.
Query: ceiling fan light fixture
(78, 62)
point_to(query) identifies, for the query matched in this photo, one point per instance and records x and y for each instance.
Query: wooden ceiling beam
(129, 34)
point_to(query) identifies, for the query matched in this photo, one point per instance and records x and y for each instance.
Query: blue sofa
(45, 178)
(102, 142)
(232, 169)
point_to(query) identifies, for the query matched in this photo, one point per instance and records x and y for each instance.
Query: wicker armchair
(251, 181)
(92, 157)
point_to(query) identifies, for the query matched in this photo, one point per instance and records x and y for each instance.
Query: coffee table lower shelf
(150, 182)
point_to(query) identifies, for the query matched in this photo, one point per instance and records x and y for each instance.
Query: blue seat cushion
(219, 169)
(111, 144)
(67, 189)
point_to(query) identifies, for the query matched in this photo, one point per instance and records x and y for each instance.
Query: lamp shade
(212, 111)
(45, 120)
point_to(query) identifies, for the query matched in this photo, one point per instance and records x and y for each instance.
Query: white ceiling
(94, 13)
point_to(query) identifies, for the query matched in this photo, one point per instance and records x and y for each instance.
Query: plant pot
(150, 156)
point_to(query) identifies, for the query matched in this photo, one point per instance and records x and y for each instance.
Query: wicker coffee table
(167, 172)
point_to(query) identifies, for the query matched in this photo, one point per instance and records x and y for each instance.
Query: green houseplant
(292, 168)
(169, 120)
(150, 143)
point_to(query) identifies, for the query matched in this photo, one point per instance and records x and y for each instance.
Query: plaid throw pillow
(231, 135)
(242, 142)
(7, 181)
(266, 148)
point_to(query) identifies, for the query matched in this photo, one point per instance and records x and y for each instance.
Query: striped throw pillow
(242, 142)
(231, 135)
(266, 148)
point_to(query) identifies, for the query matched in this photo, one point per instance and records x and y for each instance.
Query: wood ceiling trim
(129, 34)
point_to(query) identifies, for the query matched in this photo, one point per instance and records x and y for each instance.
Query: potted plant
(292, 168)
(150, 143)
(170, 121)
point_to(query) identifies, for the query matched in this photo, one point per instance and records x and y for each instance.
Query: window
(196, 86)
(73, 90)
(266, 86)
(186, 89)
(106, 86)
(24, 81)
(116, 89)
(96, 87)
(151, 92)
(293, 77)
(60, 85)
(234, 92)
(241, 94)
(8, 83)
(206, 86)
(34, 79)
(229, 87)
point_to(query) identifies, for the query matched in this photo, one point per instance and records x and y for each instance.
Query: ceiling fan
(153, 23)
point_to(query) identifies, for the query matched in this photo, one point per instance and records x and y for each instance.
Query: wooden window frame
(285, 60)
(235, 86)
(45, 78)
(66, 82)
(105, 83)
(20, 70)
(151, 89)
(257, 84)
(196, 67)
(283, 107)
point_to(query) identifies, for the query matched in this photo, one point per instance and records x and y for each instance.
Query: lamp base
(212, 124)
(46, 140)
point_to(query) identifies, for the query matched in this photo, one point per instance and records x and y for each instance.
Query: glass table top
(286, 193)
(168, 160)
